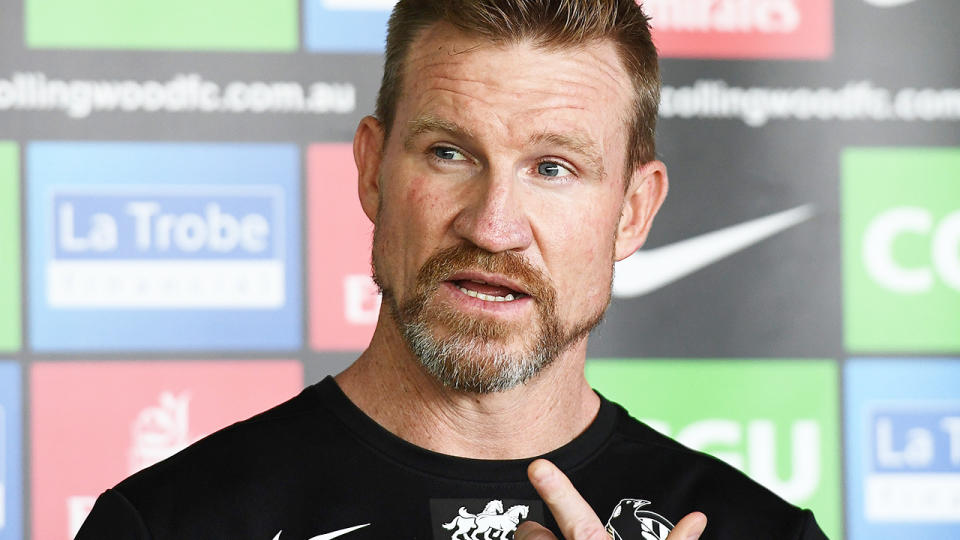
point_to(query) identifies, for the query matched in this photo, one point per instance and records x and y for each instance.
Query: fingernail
(539, 471)
(697, 531)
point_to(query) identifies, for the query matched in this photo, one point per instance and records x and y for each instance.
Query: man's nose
(493, 217)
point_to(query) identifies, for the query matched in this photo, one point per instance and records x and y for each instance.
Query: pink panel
(742, 28)
(94, 424)
(343, 299)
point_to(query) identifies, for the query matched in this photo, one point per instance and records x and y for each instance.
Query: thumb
(529, 530)
(690, 527)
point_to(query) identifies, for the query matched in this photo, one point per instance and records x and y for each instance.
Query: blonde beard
(472, 354)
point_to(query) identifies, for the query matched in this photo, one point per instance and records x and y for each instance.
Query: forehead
(516, 86)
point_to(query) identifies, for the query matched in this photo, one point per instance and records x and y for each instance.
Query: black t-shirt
(317, 468)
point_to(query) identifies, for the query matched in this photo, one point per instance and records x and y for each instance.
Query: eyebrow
(576, 143)
(429, 124)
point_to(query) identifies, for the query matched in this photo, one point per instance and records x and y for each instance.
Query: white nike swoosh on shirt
(648, 270)
(329, 535)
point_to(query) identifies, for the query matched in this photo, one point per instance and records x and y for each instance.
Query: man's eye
(549, 168)
(447, 153)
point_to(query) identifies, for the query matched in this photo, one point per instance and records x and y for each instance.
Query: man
(510, 164)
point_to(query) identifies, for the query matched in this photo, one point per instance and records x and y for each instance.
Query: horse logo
(492, 522)
(629, 522)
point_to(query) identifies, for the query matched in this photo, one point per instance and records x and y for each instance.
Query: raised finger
(689, 528)
(576, 519)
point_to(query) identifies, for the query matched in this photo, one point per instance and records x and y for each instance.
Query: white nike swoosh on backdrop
(648, 270)
(330, 535)
(888, 3)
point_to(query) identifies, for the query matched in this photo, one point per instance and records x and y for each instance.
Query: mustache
(447, 262)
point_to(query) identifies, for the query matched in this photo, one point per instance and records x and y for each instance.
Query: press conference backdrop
(181, 245)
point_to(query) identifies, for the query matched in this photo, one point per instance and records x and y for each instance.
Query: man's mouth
(487, 291)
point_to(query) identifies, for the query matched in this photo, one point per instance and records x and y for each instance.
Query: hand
(576, 519)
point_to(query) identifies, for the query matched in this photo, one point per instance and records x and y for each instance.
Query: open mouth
(487, 291)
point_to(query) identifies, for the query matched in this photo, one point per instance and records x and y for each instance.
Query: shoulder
(688, 480)
(647, 445)
(235, 458)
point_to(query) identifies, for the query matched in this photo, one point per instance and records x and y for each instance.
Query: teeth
(487, 297)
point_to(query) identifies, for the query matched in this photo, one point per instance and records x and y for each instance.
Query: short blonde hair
(547, 23)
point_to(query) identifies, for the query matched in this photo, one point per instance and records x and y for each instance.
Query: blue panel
(334, 26)
(142, 216)
(11, 461)
(903, 448)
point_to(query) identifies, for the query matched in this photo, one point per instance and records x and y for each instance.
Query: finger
(689, 528)
(576, 519)
(531, 530)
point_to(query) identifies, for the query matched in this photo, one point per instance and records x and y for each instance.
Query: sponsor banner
(901, 249)
(344, 301)
(852, 101)
(903, 448)
(11, 463)
(682, 28)
(94, 424)
(10, 301)
(183, 93)
(346, 25)
(164, 246)
(250, 25)
(742, 28)
(776, 420)
(651, 269)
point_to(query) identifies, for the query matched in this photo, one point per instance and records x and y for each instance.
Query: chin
(475, 365)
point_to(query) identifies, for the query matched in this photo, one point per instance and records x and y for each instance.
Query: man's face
(499, 194)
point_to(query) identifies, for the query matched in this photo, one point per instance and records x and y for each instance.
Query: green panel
(249, 25)
(901, 249)
(747, 412)
(9, 246)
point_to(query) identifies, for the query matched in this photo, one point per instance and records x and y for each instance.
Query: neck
(389, 385)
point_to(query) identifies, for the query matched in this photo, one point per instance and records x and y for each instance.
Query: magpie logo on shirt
(629, 522)
(473, 519)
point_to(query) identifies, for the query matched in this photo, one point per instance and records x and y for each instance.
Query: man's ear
(368, 153)
(648, 189)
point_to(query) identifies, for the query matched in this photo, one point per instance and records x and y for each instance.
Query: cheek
(591, 232)
(596, 273)
(419, 198)
(398, 225)
(417, 216)
(583, 257)
(422, 212)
